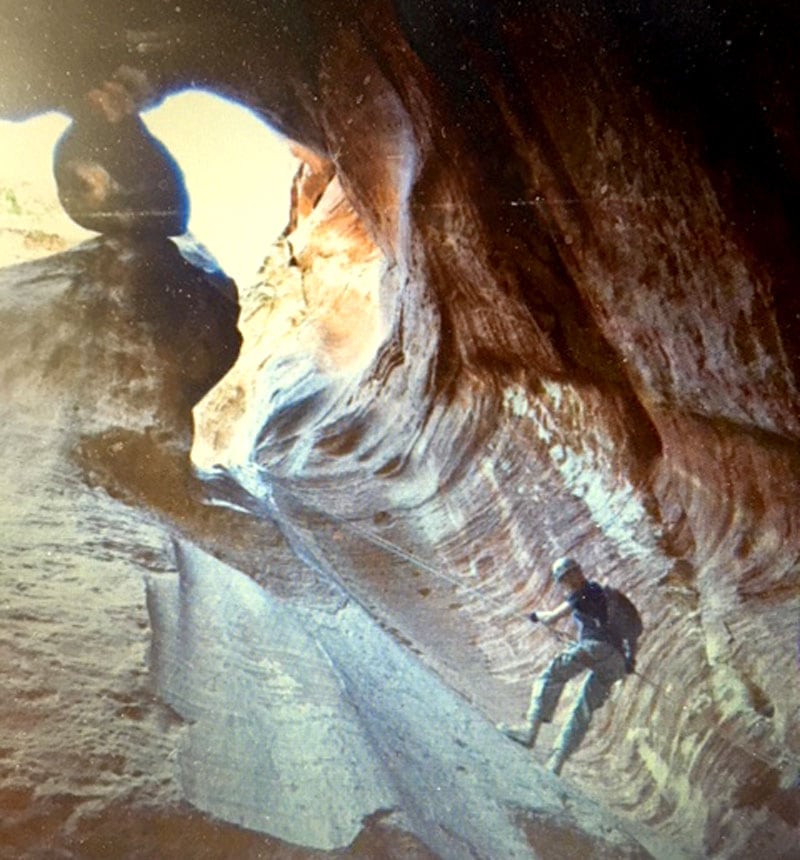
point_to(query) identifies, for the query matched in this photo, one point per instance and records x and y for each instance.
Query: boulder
(116, 178)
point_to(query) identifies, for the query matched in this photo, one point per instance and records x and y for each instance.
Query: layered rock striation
(106, 347)
(545, 304)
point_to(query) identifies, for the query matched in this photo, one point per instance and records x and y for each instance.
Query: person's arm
(548, 617)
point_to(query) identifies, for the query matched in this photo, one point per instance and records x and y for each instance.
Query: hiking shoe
(555, 763)
(522, 734)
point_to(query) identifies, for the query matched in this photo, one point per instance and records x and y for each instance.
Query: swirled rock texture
(335, 722)
(589, 352)
(572, 327)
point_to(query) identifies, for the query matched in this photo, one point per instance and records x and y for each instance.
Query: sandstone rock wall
(591, 357)
(575, 231)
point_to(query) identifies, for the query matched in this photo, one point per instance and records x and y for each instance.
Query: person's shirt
(590, 612)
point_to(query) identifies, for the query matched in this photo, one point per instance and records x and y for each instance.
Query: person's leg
(545, 695)
(609, 667)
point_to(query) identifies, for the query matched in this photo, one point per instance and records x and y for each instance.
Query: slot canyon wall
(537, 296)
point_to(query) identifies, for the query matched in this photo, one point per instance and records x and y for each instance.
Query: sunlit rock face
(336, 723)
(572, 327)
(590, 349)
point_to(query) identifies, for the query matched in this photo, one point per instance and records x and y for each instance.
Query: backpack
(624, 625)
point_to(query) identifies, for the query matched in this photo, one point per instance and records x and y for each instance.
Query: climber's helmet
(563, 567)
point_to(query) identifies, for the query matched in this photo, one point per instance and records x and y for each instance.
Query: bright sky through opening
(238, 173)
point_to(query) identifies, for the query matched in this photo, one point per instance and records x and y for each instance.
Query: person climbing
(609, 626)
